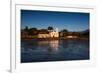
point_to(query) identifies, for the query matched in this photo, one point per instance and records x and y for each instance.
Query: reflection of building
(54, 45)
(50, 34)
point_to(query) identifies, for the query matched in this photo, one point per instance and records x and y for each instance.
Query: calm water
(55, 50)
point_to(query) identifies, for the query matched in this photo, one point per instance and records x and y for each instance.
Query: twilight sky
(72, 21)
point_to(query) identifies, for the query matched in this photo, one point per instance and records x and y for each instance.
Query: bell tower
(56, 29)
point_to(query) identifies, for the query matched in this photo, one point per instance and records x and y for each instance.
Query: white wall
(5, 35)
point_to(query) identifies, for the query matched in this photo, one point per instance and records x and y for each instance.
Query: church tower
(56, 29)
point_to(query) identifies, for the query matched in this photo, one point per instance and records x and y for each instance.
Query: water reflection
(54, 50)
(54, 45)
(51, 46)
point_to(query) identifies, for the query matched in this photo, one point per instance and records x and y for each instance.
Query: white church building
(51, 34)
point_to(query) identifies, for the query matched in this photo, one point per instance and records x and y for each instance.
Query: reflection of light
(50, 45)
(54, 44)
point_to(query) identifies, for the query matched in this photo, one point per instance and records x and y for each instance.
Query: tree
(64, 32)
(32, 31)
(26, 28)
(50, 28)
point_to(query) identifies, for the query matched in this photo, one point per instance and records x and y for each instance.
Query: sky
(72, 21)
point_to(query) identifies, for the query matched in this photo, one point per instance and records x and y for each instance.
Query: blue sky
(72, 21)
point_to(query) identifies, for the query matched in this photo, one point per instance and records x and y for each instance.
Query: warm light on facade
(52, 34)
(71, 36)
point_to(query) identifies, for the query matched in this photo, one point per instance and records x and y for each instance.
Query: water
(54, 50)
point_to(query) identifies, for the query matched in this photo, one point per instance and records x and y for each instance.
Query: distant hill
(85, 33)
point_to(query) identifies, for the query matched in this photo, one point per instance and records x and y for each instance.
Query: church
(50, 34)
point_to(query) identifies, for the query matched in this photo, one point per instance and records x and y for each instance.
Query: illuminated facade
(51, 34)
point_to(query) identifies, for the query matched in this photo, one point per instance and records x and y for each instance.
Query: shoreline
(79, 38)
